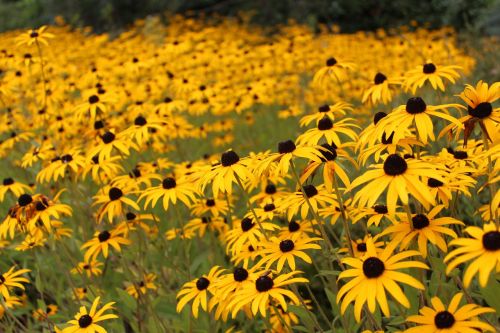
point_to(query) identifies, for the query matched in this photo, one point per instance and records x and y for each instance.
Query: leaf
(491, 293)
(304, 316)
(127, 300)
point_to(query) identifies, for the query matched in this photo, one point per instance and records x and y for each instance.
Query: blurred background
(480, 16)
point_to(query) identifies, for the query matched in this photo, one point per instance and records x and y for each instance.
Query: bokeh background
(479, 16)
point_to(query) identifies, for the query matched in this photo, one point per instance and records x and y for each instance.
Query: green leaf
(127, 300)
(491, 293)
(305, 317)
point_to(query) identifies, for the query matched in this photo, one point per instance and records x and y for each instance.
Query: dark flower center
(379, 78)
(85, 321)
(325, 124)
(168, 183)
(240, 274)
(293, 226)
(378, 116)
(373, 267)
(205, 219)
(329, 153)
(324, 108)
(380, 209)
(331, 62)
(247, 224)
(135, 173)
(104, 236)
(140, 121)
(210, 202)
(108, 137)
(41, 205)
(229, 158)
(115, 193)
(264, 283)
(285, 147)
(431, 182)
(491, 241)
(420, 221)
(270, 189)
(429, 68)
(66, 158)
(130, 216)
(269, 207)
(395, 165)
(444, 319)
(202, 283)
(24, 200)
(2, 279)
(310, 191)
(93, 99)
(286, 245)
(460, 155)
(482, 110)
(34, 34)
(8, 181)
(361, 247)
(98, 124)
(387, 140)
(415, 105)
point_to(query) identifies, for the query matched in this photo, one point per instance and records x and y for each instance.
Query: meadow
(217, 176)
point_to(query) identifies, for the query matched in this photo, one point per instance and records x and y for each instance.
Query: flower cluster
(309, 181)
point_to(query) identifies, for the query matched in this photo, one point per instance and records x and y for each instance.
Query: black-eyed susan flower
(207, 223)
(198, 290)
(417, 77)
(299, 201)
(359, 246)
(332, 163)
(483, 249)
(327, 130)
(425, 228)
(34, 36)
(222, 176)
(480, 109)
(140, 288)
(88, 321)
(401, 177)
(331, 111)
(287, 150)
(381, 90)
(170, 191)
(14, 187)
(247, 232)
(113, 202)
(102, 241)
(215, 207)
(453, 318)
(334, 70)
(266, 288)
(374, 275)
(415, 113)
(12, 279)
(110, 142)
(283, 251)
(90, 268)
(41, 315)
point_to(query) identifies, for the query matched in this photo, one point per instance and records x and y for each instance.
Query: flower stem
(344, 216)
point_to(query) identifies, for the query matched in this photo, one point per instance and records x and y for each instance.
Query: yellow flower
(456, 319)
(373, 275)
(35, 36)
(483, 249)
(87, 322)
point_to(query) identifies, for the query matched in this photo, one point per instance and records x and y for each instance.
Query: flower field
(215, 176)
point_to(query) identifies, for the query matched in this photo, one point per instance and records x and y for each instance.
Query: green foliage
(351, 15)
